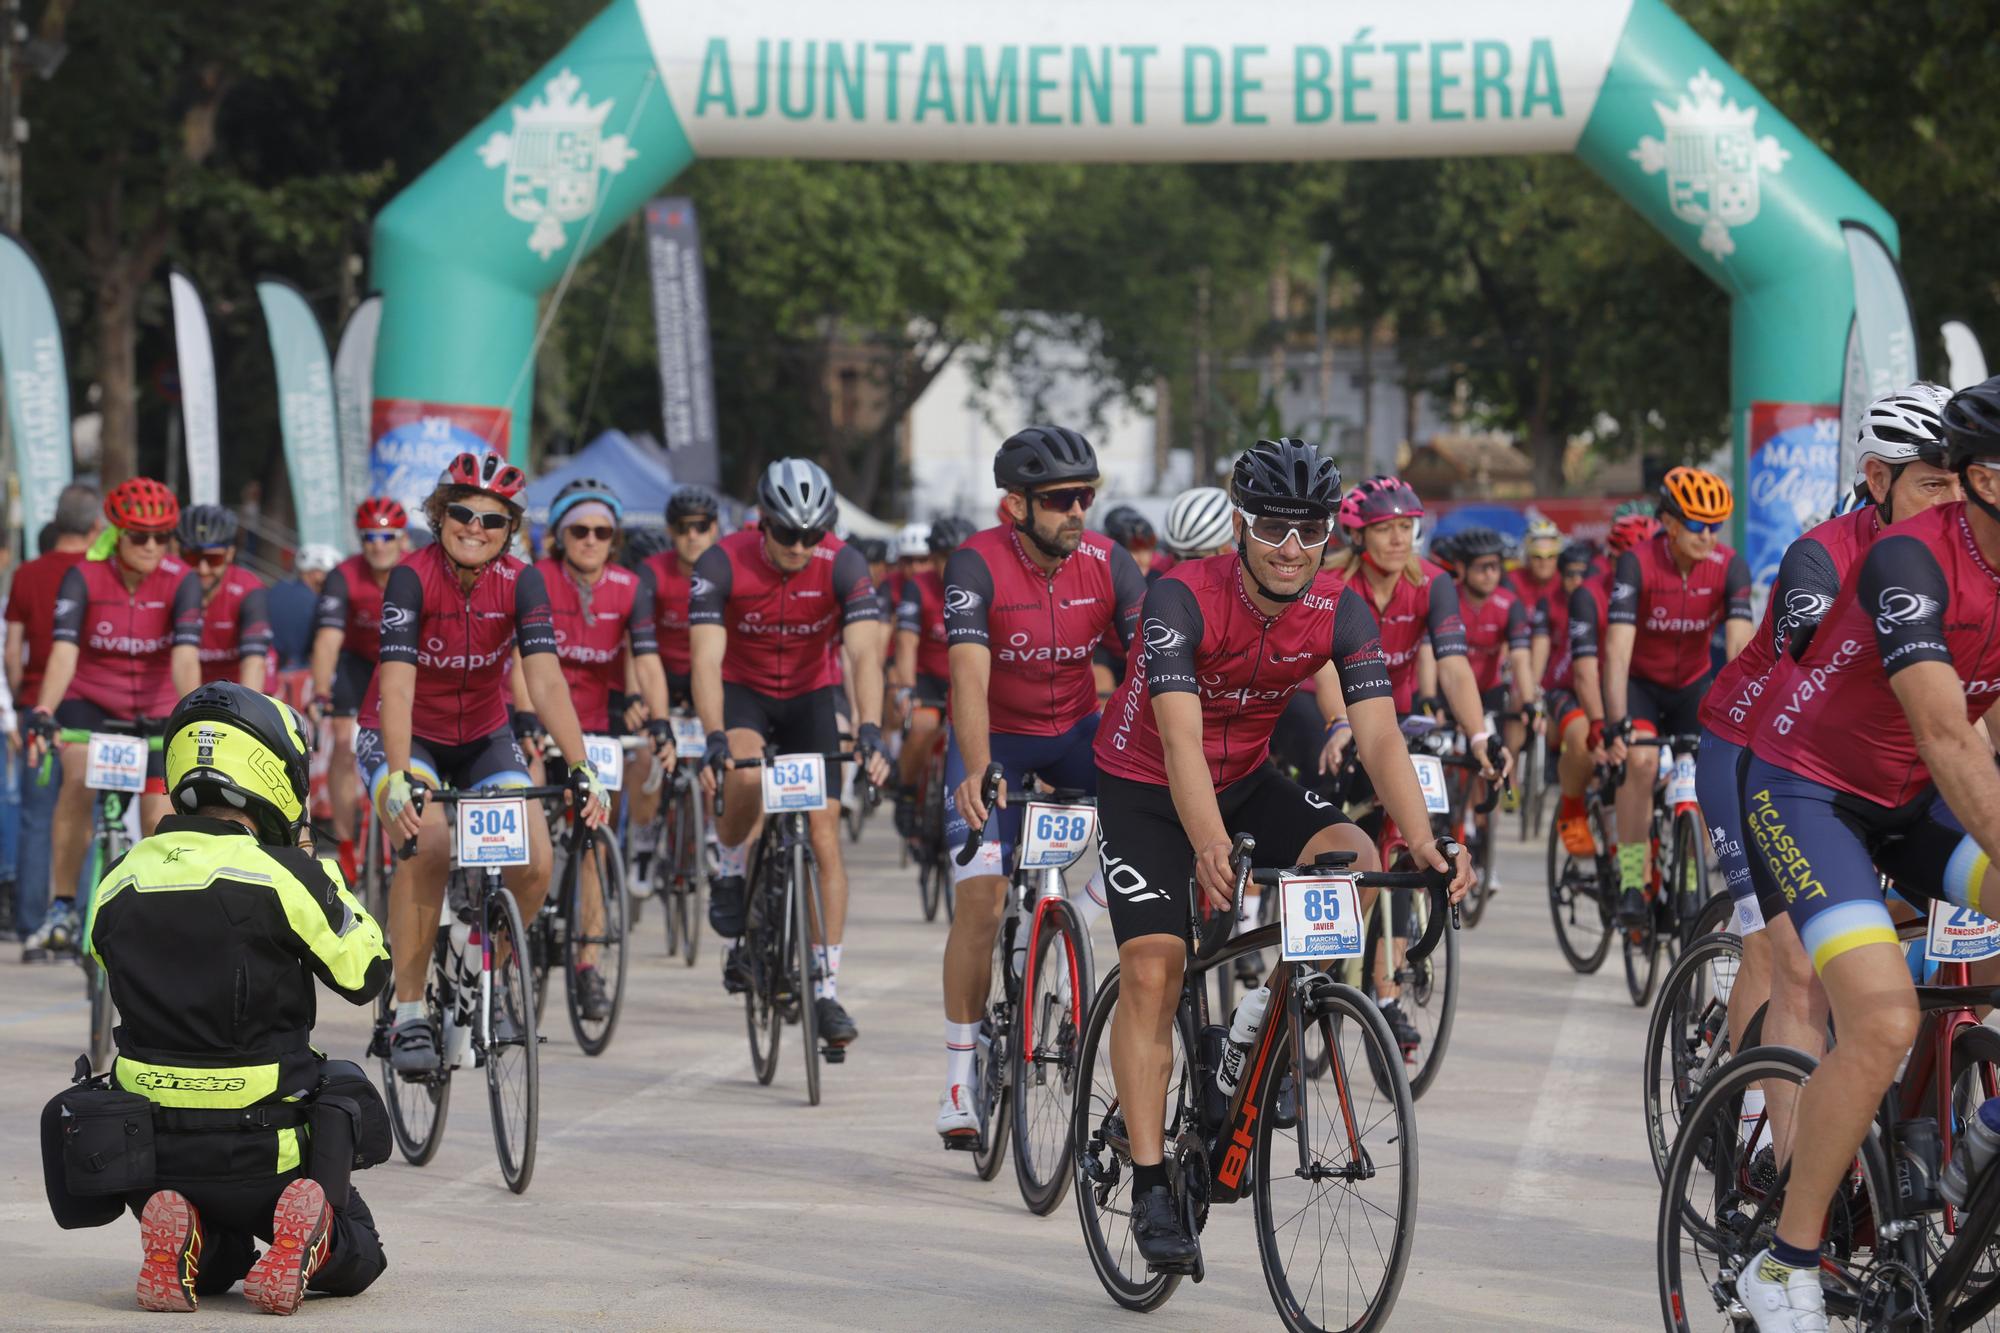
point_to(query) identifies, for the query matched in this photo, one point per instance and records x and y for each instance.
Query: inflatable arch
(464, 255)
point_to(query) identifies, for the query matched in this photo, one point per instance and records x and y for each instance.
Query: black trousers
(235, 1214)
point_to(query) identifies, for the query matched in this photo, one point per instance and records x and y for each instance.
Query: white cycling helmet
(1198, 521)
(913, 541)
(1903, 427)
(317, 558)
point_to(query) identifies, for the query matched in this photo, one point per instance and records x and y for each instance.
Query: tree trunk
(118, 373)
(1163, 424)
(1204, 453)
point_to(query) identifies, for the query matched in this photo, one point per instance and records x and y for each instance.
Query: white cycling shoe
(956, 1118)
(1794, 1305)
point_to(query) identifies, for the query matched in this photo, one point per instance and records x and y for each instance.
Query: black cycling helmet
(228, 745)
(204, 526)
(1043, 456)
(1125, 525)
(1444, 551)
(1287, 478)
(1472, 544)
(1576, 555)
(1972, 424)
(643, 543)
(948, 534)
(873, 549)
(693, 501)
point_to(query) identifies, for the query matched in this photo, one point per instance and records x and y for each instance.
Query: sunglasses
(1269, 531)
(372, 537)
(603, 532)
(470, 517)
(789, 536)
(147, 538)
(1069, 497)
(212, 559)
(1695, 527)
(685, 526)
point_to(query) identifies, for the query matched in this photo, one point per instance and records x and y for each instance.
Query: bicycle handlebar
(989, 792)
(1435, 883)
(421, 795)
(871, 793)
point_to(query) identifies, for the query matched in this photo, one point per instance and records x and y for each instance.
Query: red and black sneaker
(170, 1233)
(301, 1236)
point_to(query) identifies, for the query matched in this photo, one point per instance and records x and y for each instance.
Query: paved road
(674, 1192)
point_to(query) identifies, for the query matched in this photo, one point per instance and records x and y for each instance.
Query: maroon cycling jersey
(1494, 627)
(1589, 606)
(670, 609)
(1531, 591)
(1040, 626)
(592, 624)
(460, 641)
(351, 602)
(1201, 634)
(1675, 613)
(235, 625)
(125, 637)
(1414, 613)
(1808, 580)
(784, 629)
(1921, 593)
(1552, 618)
(921, 612)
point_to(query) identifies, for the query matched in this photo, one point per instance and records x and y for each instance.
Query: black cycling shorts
(680, 690)
(932, 691)
(1667, 712)
(493, 760)
(83, 715)
(803, 724)
(1149, 863)
(351, 675)
(1494, 700)
(614, 711)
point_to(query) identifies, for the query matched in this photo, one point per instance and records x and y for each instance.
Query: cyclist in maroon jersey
(1866, 761)
(1497, 643)
(1549, 645)
(1589, 608)
(347, 637)
(453, 616)
(1132, 530)
(769, 608)
(236, 626)
(1223, 644)
(1538, 574)
(126, 647)
(1030, 598)
(920, 673)
(1667, 597)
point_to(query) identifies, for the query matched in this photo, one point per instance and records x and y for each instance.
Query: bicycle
(1037, 1003)
(679, 867)
(1895, 1255)
(784, 902)
(1534, 777)
(1678, 885)
(1687, 1036)
(1297, 1091)
(115, 760)
(479, 993)
(576, 923)
(934, 880)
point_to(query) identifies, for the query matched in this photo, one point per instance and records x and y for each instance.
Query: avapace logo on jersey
(127, 645)
(1018, 651)
(434, 658)
(753, 623)
(1660, 622)
(1812, 683)
(583, 652)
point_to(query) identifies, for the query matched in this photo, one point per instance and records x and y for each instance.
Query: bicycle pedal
(834, 1055)
(961, 1143)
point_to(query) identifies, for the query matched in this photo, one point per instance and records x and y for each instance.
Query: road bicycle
(1328, 1157)
(1038, 999)
(479, 993)
(1536, 774)
(679, 866)
(776, 961)
(1678, 885)
(935, 886)
(1687, 1036)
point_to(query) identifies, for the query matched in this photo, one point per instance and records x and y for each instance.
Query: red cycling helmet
(1630, 531)
(378, 513)
(486, 472)
(142, 505)
(1377, 500)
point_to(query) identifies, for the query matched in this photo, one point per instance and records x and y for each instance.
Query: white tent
(855, 521)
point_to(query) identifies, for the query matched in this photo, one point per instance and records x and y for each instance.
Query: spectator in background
(45, 540)
(291, 605)
(31, 617)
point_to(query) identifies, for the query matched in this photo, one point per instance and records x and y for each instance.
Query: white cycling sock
(826, 960)
(407, 1010)
(1091, 906)
(730, 860)
(960, 1046)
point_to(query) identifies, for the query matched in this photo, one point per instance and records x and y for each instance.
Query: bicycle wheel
(992, 1062)
(1687, 1037)
(1534, 784)
(513, 1051)
(1104, 1161)
(1723, 1193)
(930, 886)
(1474, 906)
(1334, 1247)
(1691, 883)
(805, 898)
(1581, 932)
(1048, 1031)
(416, 1107)
(1975, 1078)
(607, 939)
(1428, 991)
(764, 954)
(665, 870)
(693, 875)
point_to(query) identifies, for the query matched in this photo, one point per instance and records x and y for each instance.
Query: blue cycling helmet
(582, 491)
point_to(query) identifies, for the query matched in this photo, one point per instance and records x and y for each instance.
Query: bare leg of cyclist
(968, 949)
(1635, 814)
(917, 747)
(416, 896)
(1142, 1053)
(343, 780)
(824, 828)
(645, 804)
(71, 828)
(1794, 1016)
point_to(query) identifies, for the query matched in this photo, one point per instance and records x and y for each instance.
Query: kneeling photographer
(219, 1124)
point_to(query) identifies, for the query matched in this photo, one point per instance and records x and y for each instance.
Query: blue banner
(31, 355)
(1794, 448)
(305, 414)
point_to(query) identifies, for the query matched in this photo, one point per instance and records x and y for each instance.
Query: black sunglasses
(148, 538)
(1060, 501)
(471, 517)
(789, 536)
(683, 526)
(583, 531)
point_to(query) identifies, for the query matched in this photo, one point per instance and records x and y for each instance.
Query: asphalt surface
(673, 1191)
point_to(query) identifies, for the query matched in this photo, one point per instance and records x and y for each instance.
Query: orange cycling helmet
(1630, 531)
(1697, 496)
(142, 505)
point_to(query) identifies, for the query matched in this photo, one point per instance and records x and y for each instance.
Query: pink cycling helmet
(1377, 500)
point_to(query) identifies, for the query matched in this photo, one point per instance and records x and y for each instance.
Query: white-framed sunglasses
(1268, 530)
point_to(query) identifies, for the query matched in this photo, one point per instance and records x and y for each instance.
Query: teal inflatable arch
(464, 256)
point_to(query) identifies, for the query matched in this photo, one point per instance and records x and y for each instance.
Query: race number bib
(1680, 788)
(1430, 777)
(608, 758)
(1960, 935)
(493, 831)
(794, 782)
(689, 740)
(1322, 917)
(1055, 836)
(115, 763)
